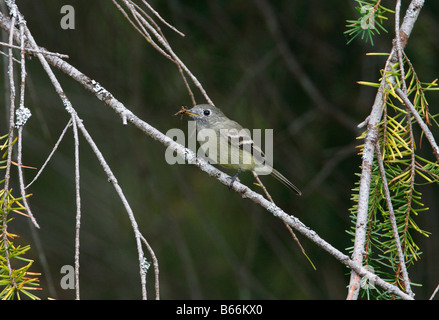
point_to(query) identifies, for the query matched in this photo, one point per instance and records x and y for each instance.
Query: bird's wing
(241, 138)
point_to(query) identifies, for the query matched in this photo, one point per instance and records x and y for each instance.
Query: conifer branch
(371, 139)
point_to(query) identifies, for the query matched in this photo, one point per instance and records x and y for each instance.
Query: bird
(233, 141)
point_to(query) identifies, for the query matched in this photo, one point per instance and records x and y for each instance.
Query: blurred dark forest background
(210, 243)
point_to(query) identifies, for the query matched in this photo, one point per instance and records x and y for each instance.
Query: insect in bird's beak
(184, 111)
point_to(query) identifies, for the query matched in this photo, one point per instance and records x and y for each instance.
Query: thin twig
(392, 219)
(23, 64)
(140, 29)
(191, 94)
(55, 147)
(45, 52)
(290, 230)
(78, 205)
(399, 49)
(421, 122)
(434, 292)
(162, 20)
(6, 198)
(21, 179)
(20, 128)
(400, 52)
(155, 262)
(6, 55)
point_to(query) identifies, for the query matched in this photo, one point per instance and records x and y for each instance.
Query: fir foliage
(16, 281)
(405, 170)
(370, 22)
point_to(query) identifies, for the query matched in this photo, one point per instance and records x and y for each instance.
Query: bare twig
(434, 292)
(20, 126)
(45, 52)
(141, 28)
(78, 204)
(392, 219)
(421, 122)
(161, 19)
(23, 63)
(290, 230)
(155, 262)
(399, 48)
(55, 147)
(10, 142)
(21, 179)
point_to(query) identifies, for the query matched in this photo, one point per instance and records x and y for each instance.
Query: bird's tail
(285, 181)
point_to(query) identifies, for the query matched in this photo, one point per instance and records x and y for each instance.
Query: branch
(78, 203)
(12, 35)
(21, 120)
(290, 230)
(374, 119)
(64, 56)
(398, 45)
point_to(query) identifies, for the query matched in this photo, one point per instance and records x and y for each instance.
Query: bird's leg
(234, 178)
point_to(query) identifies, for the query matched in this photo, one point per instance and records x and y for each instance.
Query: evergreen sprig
(369, 23)
(405, 169)
(16, 280)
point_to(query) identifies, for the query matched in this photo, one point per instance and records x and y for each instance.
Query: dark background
(210, 243)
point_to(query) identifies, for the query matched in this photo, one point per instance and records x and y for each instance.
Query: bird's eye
(206, 112)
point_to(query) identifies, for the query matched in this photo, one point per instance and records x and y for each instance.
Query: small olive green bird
(233, 141)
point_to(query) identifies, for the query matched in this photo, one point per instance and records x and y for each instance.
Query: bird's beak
(191, 113)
